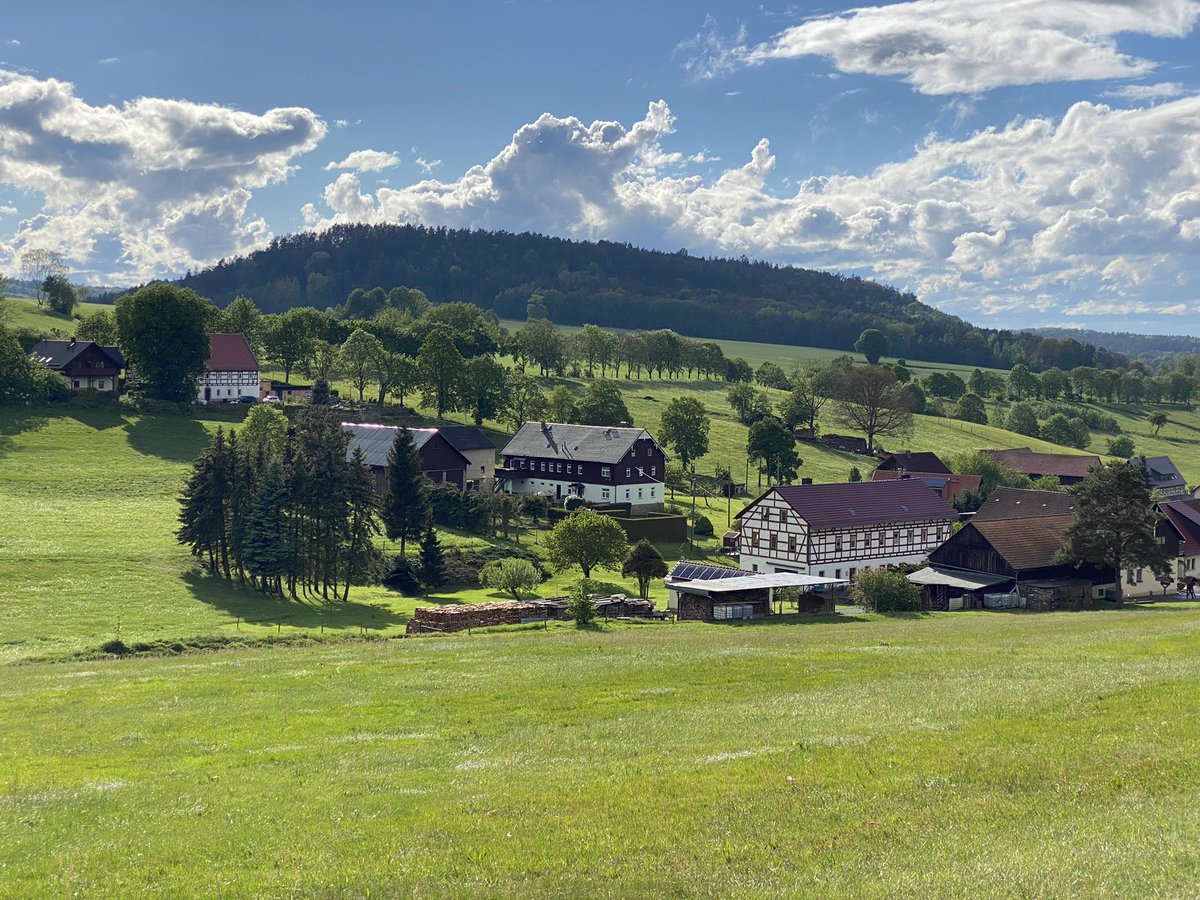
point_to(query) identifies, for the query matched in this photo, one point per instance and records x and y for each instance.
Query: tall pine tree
(433, 562)
(265, 550)
(406, 505)
(362, 558)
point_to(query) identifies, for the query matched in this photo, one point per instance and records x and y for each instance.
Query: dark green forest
(621, 286)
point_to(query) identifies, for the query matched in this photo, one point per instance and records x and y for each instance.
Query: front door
(558, 491)
(207, 393)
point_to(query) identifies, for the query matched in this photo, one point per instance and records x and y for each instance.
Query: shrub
(702, 527)
(573, 503)
(1121, 446)
(457, 570)
(1022, 419)
(885, 590)
(511, 575)
(403, 577)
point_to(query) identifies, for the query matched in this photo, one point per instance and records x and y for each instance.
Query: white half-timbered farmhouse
(837, 530)
(231, 371)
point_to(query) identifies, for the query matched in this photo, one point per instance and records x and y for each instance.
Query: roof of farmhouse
(862, 502)
(230, 353)
(376, 440)
(581, 443)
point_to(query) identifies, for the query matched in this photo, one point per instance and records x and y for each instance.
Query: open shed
(949, 589)
(717, 593)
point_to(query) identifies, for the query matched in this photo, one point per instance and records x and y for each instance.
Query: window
(1129, 576)
(578, 468)
(604, 494)
(652, 468)
(837, 573)
(773, 543)
(909, 536)
(560, 467)
(837, 546)
(852, 571)
(605, 472)
(626, 493)
(639, 493)
(783, 517)
(543, 467)
(754, 539)
(652, 492)
(854, 542)
(628, 471)
(791, 543)
(75, 383)
(568, 468)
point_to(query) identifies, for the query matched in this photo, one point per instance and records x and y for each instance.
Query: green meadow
(940, 755)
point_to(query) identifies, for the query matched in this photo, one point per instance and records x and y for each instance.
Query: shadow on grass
(14, 422)
(252, 607)
(174, 438)
(99, 416)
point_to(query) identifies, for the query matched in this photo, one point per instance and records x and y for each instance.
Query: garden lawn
(952, 755)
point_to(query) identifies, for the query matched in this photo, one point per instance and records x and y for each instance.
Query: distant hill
(618, 285)
(1150, 348)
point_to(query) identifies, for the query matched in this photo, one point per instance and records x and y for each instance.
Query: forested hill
(1150, 348)
(616, 285)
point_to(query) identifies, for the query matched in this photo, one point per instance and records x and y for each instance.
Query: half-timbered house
(595, 462)
(838, 530)
(231, 371)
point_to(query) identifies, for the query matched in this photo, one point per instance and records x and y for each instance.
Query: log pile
(442, 619)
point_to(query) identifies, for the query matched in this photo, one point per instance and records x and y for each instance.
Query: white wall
(229, 386)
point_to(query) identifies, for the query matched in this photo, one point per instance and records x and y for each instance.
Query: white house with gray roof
(595, 462)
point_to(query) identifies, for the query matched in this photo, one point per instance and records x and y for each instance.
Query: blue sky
(1016, 162)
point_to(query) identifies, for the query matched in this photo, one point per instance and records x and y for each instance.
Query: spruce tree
(361, 558)
(406, 505)
(199, 514)
(433, 563)
(265, 550)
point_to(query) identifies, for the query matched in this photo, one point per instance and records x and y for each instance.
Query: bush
(454, 508)
(458, 571)
(702, 527)
(403, 577)
(885, 590)
(573, 503)
(511, 575)
(1121, 446)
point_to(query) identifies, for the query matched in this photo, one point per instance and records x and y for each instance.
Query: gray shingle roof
(57, 354)
(1018, 503)
(1164, 474)
(376, 440)
(584, 443)
(466, 437)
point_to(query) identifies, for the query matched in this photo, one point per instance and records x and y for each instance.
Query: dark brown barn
(439, 460)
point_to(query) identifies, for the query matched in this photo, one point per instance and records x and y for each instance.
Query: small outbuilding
(708, 593)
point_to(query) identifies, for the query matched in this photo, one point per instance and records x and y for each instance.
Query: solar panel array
(690, 571)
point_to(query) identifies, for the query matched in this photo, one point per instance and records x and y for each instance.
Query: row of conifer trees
(296, 517)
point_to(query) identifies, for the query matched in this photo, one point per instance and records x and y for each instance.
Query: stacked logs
(443, 619)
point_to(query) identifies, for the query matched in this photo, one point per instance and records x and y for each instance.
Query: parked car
(270, 398)
(245, 400)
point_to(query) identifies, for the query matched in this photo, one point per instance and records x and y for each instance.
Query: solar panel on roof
(690, 571)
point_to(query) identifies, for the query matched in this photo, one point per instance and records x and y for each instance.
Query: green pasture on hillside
(948, 755)
(19, 312)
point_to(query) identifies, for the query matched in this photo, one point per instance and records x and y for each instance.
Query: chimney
(806, 481)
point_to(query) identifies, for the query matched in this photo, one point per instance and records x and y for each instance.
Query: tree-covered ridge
(618, 285)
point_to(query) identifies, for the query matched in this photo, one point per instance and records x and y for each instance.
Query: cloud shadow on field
(255, 608)
(174, 438)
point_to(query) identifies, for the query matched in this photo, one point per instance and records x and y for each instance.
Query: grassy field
(940, 756)
(18, 312)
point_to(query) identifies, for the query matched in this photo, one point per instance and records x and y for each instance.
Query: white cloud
(109, 60)
(12, 42)
(6, 210)
(1100, 205)
(710, 53)
(366, 161)
(1148, 93)
(427, 165)
(963, 46)
(167, 182)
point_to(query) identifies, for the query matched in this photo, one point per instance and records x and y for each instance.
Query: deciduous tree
(588, 540)
(644, 563)
(684, 427)
(872, 344)
(164, 337)
(873, 402)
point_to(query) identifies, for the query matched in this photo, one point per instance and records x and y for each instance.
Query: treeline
(1152, 349)
(618, 285)
(285, 513)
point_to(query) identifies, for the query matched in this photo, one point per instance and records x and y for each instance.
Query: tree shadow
(246, 605)
(14, 422)
(799, 619)
(98, 416)
(174, 438)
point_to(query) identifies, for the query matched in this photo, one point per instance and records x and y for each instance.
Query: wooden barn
(439, 460)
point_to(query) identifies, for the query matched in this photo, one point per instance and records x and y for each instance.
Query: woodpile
(443, 619)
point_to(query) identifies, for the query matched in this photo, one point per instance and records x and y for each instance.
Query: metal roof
(971, 581)
(1163, 472)
(752, 581)
(376, 440)
(581, 443)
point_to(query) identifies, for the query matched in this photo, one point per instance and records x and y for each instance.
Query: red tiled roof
(1185, 516)
(1061, 465)
(230, 353)
(864, 502)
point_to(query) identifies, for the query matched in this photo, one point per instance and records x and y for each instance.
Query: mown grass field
(19, 312)
(941, 756)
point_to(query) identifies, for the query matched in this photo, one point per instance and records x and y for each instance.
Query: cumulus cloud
(168, 182)
(366, 161)
(965, 46)
(1148, 93)
(1042, 214)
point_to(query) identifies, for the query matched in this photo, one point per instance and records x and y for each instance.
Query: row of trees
(287, 516)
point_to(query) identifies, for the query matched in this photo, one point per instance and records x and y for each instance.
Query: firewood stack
(442, 619)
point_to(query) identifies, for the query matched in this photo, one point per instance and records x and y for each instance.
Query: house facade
(479, 451)
(595, 462)
(231, 371)
(1165, 476)
(439, 460)
(85, 364)
(838, 530)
